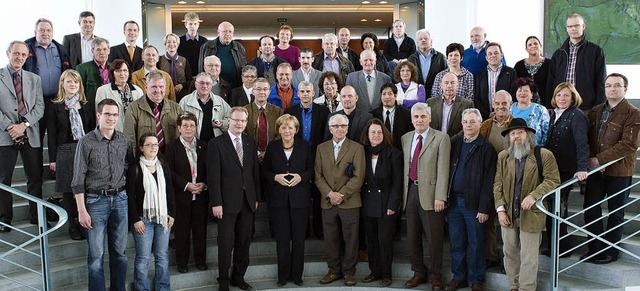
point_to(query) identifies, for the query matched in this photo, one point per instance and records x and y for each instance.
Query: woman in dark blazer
(381, 198)
(568, 142)
(69, 111)
(192, 198)
(288, 173)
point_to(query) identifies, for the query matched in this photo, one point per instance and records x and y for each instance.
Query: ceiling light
(363, 20)
(199, 2)
(383, 2)
(377, 20)
(366, 2)
(182, 2)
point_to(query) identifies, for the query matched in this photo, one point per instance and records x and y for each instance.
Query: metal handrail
(42, 238)
(557, 220)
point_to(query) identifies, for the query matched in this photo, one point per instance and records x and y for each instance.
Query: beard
(519, 150)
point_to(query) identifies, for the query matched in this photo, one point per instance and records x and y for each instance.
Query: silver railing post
(44, 246)
(555, 241)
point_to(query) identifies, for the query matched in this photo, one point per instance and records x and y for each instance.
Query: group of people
(338, 144)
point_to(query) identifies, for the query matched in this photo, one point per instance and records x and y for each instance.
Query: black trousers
(191, 220)
(32, 161)
(290, 231)
(316, 211)
(379, 232)
(234, 235)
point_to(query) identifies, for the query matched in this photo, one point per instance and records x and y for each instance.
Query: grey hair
(214, 57)
(421, 106)
(333, 117)
(504, 92)
(400, 20)
(40, 20)
(473, 111)
(248, 68)
(260, 80)
(329, 37)
(531, 140)
(16, 42)
(306, 84)
(365, 52)
(98, 41)
(204, 74)
(155, 76)
(424, 30)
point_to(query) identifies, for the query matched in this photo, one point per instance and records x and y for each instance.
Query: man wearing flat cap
(524, 173)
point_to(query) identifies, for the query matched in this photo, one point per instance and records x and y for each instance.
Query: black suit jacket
(319, 118)
(73, 44)
(301, 163)
(382, 190)
(231, 183)
(401, 123)
(122, 52)
(176, 157)
(237, 97)
(356, 125)
(481, 88)
(59, 126)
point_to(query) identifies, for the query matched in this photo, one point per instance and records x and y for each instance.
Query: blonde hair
(576, 100)
(73, 74)
(286, 118)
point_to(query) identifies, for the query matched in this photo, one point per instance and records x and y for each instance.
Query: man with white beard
(520, 181)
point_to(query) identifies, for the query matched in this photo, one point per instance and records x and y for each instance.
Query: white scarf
(154, 206)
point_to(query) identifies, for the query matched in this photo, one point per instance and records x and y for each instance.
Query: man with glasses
(210, 110)
(101, 160)
(231, 53)
(330, 60)
(613, 133)
(243, 95)
(262, 117)
(339, 174)
(234, 191)
(153, 113)
(579, 62)
(220, 87)
(306, 72)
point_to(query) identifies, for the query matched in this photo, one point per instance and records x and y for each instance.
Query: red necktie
(159, 131)
(413, 170)
(262, 130)
(17, 84)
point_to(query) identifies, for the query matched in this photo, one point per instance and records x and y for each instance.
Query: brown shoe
(330, 278)
(363, 256)
(415, 281)
(386, 282)
(370, 278)
(455, 285)
(477, 287)
(349, 280)
(436, 284)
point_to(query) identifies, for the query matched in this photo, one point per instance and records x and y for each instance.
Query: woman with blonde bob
(68, 119)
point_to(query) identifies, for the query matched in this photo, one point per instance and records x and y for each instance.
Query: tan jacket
(485, 128)
(330, 173)
(532, 220)
(619, 138)
(433, 167)
(139, 119)
(139, 79)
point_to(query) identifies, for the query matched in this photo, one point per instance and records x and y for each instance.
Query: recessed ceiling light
(383, 2)
(182, 2)
(363, 20)
(377, 20)
(366, 2)
(199, 2)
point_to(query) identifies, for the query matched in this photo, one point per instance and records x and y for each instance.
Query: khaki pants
(521, 256)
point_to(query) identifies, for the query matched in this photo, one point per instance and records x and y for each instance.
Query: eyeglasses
(188, 126)
(238, 120)
(121, 70)
(212, 65)
(204, 83)
(150, 145)
(336, 126)
(616, 86)
(249, 76)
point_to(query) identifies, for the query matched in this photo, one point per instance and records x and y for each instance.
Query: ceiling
(309, 18)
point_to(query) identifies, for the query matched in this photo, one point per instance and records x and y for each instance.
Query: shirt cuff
(185, 187)
(501, 208)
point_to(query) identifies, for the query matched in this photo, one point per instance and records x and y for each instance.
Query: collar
(338, 143)
(233, 137)
(188, 37)
(424, 134)
(82, 37)
(581, 42)
(326, 56)
(310, 107)
(498, 69)
(259, 107)
(444, 101)
(469, 140)
(12, 71)
(392, 110)
(192, 144)
(373, 74)
(106, 65)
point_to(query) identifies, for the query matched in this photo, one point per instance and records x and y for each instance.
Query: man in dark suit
(21, 108)
(502, 76)
(339, 174)
(396, 118)
(243, 95)
(426, 177)
(446, 110)
(79, 44)
(128, 50)
(90, 71)
(438, 61)
(263, 134)
(234, 192)
(313, 121)
(368, 81)
(357, 118)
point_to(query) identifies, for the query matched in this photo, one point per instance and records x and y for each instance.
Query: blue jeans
(155, 239)
(108, 216)
(465, 231)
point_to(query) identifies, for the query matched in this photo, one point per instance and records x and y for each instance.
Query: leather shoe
(281, 283)
(330, 278)
(349, 280)
(436, 284)
(297, 282)
(183, 269)
(202, 267)
(386, 282)
(456, 284)
(415, 281)
(605, 259)
(5, 228)
(370, 278)
(587, 255)
(241, 283)
(477, 287)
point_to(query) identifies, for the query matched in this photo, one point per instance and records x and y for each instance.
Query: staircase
(69, 264)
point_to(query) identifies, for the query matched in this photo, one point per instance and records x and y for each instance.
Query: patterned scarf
(77, 130)
(154, 206)
(173, 60)
(126, 96)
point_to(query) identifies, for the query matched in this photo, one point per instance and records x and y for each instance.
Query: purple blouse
(291, 55)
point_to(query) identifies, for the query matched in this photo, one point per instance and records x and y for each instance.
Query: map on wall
(612, 24)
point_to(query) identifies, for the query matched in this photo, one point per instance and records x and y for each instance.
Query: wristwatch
(26, 123)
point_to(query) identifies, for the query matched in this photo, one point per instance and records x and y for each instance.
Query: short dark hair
(104, 102)
(115, 65)
(389, 85)
(330, 74)
(530, 37)
(124, 26)
(624, 78)
(84, 14)
(262, 37)
(371, 36)
(526, 81)
(306, 50)
(364, 137)
(494, 44)
(187, 116)
(455, 47)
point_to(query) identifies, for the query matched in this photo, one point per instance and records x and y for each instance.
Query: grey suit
(455, 117)
(30, 152)
(314, 76)
(358, 80)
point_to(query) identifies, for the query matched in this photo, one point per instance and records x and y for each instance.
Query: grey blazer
(358, 81)
(314, 77)
(32, 94)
